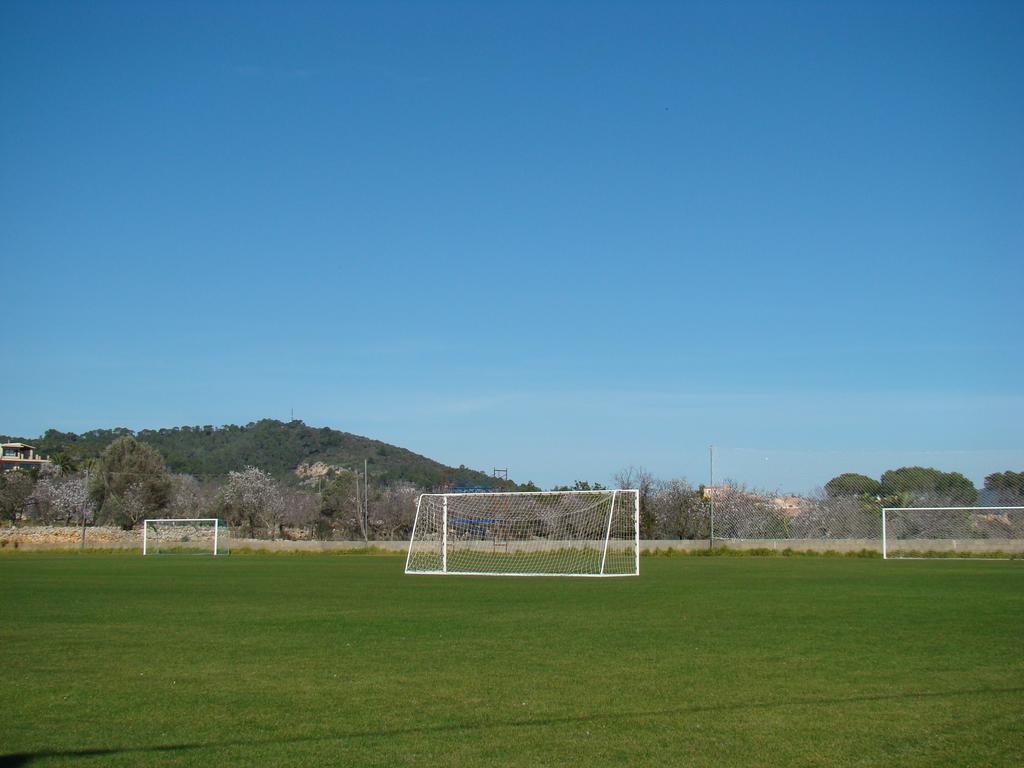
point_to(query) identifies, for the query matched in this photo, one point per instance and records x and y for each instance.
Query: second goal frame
(530, 533)
(217, 532)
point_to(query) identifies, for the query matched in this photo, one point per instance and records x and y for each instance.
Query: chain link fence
(793, 498)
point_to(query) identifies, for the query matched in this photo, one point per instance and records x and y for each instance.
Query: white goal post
(542, 533)
(954, 532)
(194, 536)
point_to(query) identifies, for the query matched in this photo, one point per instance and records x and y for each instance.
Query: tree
(339, 504)
(15, 491)
(643, 481)
(61, 498)
(65, 462)
(185, 499)
(392, 511)
(252, 498)
(744, 513)
(827, 516)
(581, 485)
(852, 484)
(1008, 487)
(929, 484)
(679, 511)
(957, 488)
(130, 483)
(301, 509)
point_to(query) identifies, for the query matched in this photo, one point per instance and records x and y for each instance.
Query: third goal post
(958, 532)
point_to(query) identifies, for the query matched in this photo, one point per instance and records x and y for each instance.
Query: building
(791, 506)
(19, 456)
(716, 491)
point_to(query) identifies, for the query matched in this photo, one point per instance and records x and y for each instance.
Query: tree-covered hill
(274, 446)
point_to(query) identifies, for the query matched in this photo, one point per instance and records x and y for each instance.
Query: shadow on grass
(15, 759)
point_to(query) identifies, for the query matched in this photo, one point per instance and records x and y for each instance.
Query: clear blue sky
(562, 237)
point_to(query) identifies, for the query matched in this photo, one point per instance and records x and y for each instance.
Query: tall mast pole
(711, 491)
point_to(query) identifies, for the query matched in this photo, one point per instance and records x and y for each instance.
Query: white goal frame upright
(960, 548)
(214, 520)
(482, 532)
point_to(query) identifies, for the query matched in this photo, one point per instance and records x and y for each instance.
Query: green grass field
(321, 660)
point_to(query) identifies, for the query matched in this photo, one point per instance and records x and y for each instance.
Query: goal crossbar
(524, 493)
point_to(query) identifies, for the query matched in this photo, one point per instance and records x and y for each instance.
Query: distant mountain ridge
(274, 446)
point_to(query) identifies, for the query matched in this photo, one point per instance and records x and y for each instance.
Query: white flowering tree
(62, 498)
(252, 499)
(677, 510)
(135, 503)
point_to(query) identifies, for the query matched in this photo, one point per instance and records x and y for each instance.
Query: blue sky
(561, 237)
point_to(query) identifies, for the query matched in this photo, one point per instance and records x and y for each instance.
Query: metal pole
(359, 507)
(884, 554)
(711, 494)
(636, 528)
(366, 503)
(608, 532)
(444, 535)
(412, 536)
(216, 531)
(84, 504)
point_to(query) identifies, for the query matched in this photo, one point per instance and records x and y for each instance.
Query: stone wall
(68, 537)
(310, 545)
(112, 537)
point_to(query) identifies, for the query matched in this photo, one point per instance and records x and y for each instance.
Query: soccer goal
(191, 536)
(552, 533)
(959, 532)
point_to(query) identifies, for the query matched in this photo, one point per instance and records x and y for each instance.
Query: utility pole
(711, 493)
(359, 505)
(85, 503)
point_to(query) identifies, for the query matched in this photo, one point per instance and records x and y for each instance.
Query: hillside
(277, 447)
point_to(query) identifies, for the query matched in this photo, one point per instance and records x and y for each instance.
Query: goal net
(965, 532)
(554, 533)
(195, 536)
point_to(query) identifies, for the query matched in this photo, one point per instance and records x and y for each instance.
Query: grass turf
(119, 660)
